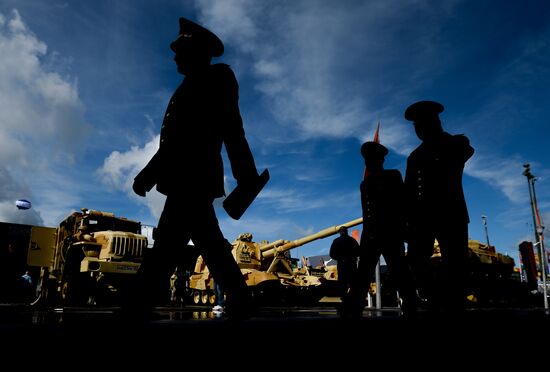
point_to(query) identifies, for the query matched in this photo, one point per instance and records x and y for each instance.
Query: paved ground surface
(276, 336)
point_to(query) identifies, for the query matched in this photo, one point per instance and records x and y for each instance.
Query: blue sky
(84, 85)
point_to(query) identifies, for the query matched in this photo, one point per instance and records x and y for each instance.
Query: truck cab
(89, 257)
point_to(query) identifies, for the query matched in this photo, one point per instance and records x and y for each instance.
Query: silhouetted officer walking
(382, 201)
(202, 115)
(437, 207)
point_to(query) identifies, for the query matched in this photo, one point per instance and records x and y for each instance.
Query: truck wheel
(196, 297)
(75, 290)
(212, 298)
(204, 297)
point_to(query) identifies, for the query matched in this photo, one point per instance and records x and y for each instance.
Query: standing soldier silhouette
(202, 115)
(437, 207)
(382, 196)
(344, 249)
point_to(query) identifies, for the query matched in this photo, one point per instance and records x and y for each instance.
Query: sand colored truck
(88, 259)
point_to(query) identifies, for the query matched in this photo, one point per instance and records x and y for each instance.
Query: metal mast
(538, 229)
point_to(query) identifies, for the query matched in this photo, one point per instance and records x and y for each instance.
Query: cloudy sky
(84, 86)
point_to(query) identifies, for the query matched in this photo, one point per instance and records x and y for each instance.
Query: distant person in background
(344, 249)
(26, 287)
(177, 286)
(436, 207)
(382, 196)
(220, 298)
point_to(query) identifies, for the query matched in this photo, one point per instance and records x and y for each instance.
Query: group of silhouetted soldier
(203, 115)
(428, 205)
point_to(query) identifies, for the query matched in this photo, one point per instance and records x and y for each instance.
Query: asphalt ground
(277, 335)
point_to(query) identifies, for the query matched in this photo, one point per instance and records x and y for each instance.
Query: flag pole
(538, 231)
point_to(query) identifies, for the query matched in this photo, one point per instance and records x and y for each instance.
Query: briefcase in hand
(238, 201)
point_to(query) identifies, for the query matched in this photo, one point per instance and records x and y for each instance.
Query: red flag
(377, 140)
(377, 134)
(355, 235)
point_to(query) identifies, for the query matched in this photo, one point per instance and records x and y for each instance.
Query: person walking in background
(26, 287)
(344, 249)
(436, 207)
(202, 117)
(382, 195)
(220, 298)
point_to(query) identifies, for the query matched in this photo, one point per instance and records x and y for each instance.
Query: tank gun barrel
(272, 251)
(274, 244)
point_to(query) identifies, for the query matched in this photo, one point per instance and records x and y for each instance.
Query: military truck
(489, 277)
(87, 259)
(491, 280)
(269, 270)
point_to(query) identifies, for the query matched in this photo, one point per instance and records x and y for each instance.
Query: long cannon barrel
(307, 239)
(272, 245)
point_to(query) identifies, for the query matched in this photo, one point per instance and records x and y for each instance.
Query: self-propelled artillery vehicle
(269, 270)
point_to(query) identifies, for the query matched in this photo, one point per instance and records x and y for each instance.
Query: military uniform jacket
(344, 249)
(202, 115)
(382, 202)
(433, 182)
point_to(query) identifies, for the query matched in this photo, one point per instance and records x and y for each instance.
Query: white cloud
(289, 200)
(294, 60)
(120, 168)
(38, 107)
(42, 121)
(502, 173)
(233, 20)
(331, 70)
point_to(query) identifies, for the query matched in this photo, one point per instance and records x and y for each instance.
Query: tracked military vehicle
(269, 270)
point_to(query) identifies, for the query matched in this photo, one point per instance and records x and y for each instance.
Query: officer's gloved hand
(139, 188)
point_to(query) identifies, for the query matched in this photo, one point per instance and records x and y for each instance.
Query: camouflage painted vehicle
(324, 268)
(274, 275)
(87, 259)
(490, 279)
(269, 270)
